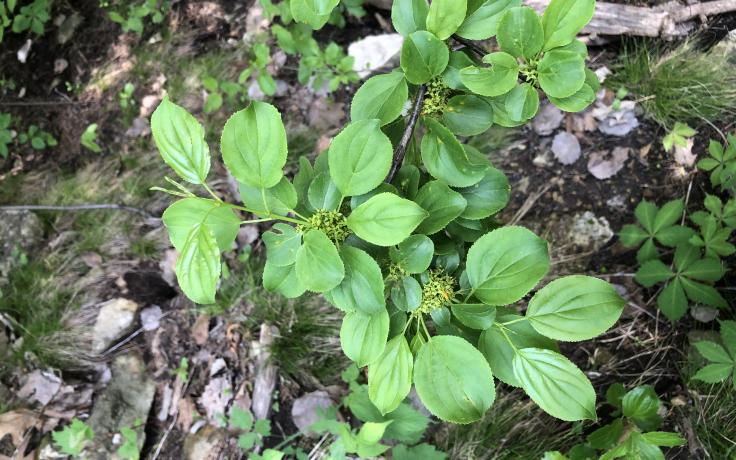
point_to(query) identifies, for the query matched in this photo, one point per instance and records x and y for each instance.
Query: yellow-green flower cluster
(435, 100)
(332, 223)
(438, 291)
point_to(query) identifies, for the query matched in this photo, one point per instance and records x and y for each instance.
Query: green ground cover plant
(633, 434)
(398, 231)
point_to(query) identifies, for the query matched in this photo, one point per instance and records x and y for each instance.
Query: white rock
(114, 319)
(374, 51)
(305, 411)
(604, 165)
(23, 51)
(589, 231)
(703, 314)
(151, 318)
(547, 120)
(216, 397)
(566, 148)
(40, 386)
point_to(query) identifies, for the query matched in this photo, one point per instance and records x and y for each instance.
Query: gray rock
(566, 148)
(306, 408)
(703, 313)
(115, 318)
(374, 52)
(590, 232)
(604, 165)
(619, 123)
(20, 232)
(547, 120)
(205, 444)
(125, 402)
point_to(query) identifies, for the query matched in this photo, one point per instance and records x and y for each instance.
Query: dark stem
(408, 133)
(471, 46)
(77, 207)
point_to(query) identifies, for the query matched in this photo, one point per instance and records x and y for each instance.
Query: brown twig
(408, 133)
(78, 207)
(477, 49)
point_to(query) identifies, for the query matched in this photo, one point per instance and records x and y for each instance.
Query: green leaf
(281, 199)
(419, 452)
(670, 213)
(713, 352)
(408, 16)
(448, 160)
(445, 16)
(323, 193)
(363, 337)
(413, 254)
(423, 57)
(453, 379)
(522, 102)
(318, 264)
(390, 376)
(500, 354)
(575, 308)
(360, 157)
(632, 235)
(180, 139)
(646, 213)
(254, 145)
(672, 300)
(555, 384)
(467, 115)
(362, 287)
(505, 264)
(408, 424)
(561, 73)
(315, 13)
(499, 79)
(577, 102)
(647, 251)
(451, 76)
(563, 19)
(520, 32)
(663, 438)
(641, 403)
(653, 272)
(180, 217)
(381, 96)
(481, 20)
(607, 436)
(282, 280)
(241, 419)
(487, 197)
(73, 438)
(474, 316)
(714, 373)
(406, 294)
(728, 334)
(441, 203)
(282, 243)
(703, 293)
(707, 269)
(198, 266)
(386, 219)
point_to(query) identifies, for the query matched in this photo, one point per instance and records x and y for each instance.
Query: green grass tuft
(683, 83)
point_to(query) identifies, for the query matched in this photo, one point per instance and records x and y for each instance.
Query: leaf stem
(517, 320)
(470, 45)
(268, 214)
(212, 193)
(408, 134)
(426, 331)
(255, 221)
(502, 328)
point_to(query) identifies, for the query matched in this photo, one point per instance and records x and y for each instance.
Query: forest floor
(106, 335)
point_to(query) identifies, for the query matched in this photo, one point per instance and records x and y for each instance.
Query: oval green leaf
(183, 215)
(413, 254)
(487, 197)
(563, 19)
(577, 102)
(180, 140)
(282, 243)
(423, 57)
(445, 16)
(561, 73)
(474, 315)
(442, 203)
(446, 158)
(363, 337)
(390, 376)
(382, 97)
(453, 379)
(499, 79)
(467, 115)
(362, 287)
(555, 384)
(522, 102)
(198, 266)
(408, 16)
(254, 145)
(520, 32)
(481, 20)
(574, 308)
(386, 219)
(282, 280)
(360, 157)
(318, 264)
(505, 264)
